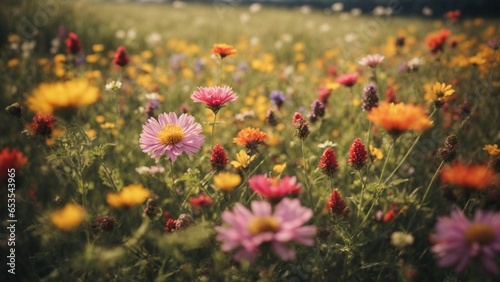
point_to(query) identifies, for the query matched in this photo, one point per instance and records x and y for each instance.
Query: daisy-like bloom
(113, 86)
(42, 125)
(218, 159)
(274, 188)
(129, 196)
(250, 138)
(473, 176)
(492, 149)
(121, 58)
(438, 92)
(458, 240)
(336, 204)
(328, 163)
(171, 135)
(223, 50)
(63, 96)
(242, 159)
(247, 230)
(68, 218)
(347, 80)
(214, 97)
(73, 45)
(11, 158)
(376, 152)
(226, 181)
(372, 60)
(398, 118)
(357, 155)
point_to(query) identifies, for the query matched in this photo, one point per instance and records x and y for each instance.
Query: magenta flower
(214, 97)
(347, 79)
(273, 188)
(171, 135)
(248, 230)
(458, 240)
(371, 60)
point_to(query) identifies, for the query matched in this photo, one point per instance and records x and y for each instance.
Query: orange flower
(398, 118)
(250, 138)
(474, 176)
(223, 50)
(435, 41)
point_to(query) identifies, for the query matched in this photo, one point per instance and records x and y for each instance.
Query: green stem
(213, 130)
(385, 161)
(422, 201)
(363, 186)
(308, 187)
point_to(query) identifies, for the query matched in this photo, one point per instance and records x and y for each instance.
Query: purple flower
(247, 230)
(458, 240)
(171, 135)
(277, 98)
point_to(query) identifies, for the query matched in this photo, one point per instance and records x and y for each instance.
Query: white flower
(401, 239)
(113, 86)
(372, 60)
(327, 143)
(338, 7)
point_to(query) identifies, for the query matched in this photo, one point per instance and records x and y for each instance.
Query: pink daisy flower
(171, 135)
(273, 188)
(371, 60)
(348, 79)
(458, 240)
(248, 230)
(214, 97)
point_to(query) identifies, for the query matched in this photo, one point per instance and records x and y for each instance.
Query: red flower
(42, 125)
(347, 79)
(390, 96)
(357, 154)
(453, 16)
(170, 225)
(121, 58)
(200, 201)
(323, 94)
(436, 40)
(328, 163)
(390, 214)
(11, 159)
(336, 204)
(73, 45)
(218, 160)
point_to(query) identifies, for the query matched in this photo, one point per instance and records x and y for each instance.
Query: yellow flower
(67, 218)
(492, 149)
(227, 181)
(50, 97)
(100, 119)
(279, 168)
(97, 48)
(477, 60)
(13, 62)
(92, 58)
(13, 38)
(376, 152)
(108, 125)
(129, 196)
(242, 159)
(91, 133)
(438, 91)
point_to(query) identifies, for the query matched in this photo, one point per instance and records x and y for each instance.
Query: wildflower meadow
(243, 142)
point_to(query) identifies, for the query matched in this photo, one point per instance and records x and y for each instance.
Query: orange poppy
(474, 176)
(250, 138)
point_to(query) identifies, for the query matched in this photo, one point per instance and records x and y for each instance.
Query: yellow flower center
(263, 224)
(170, 134)
(479, 232)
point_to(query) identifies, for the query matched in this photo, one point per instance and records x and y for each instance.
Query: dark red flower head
(11, 158)
(453, 16)
(328, 163)
(106, 223)
(121, 58)
(357, 154)
(336, 204)
(218, 160)
(301, 126)
(73, 45)
(170, 225)
(42, 125)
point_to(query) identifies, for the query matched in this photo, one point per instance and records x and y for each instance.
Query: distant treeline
(487, 8)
